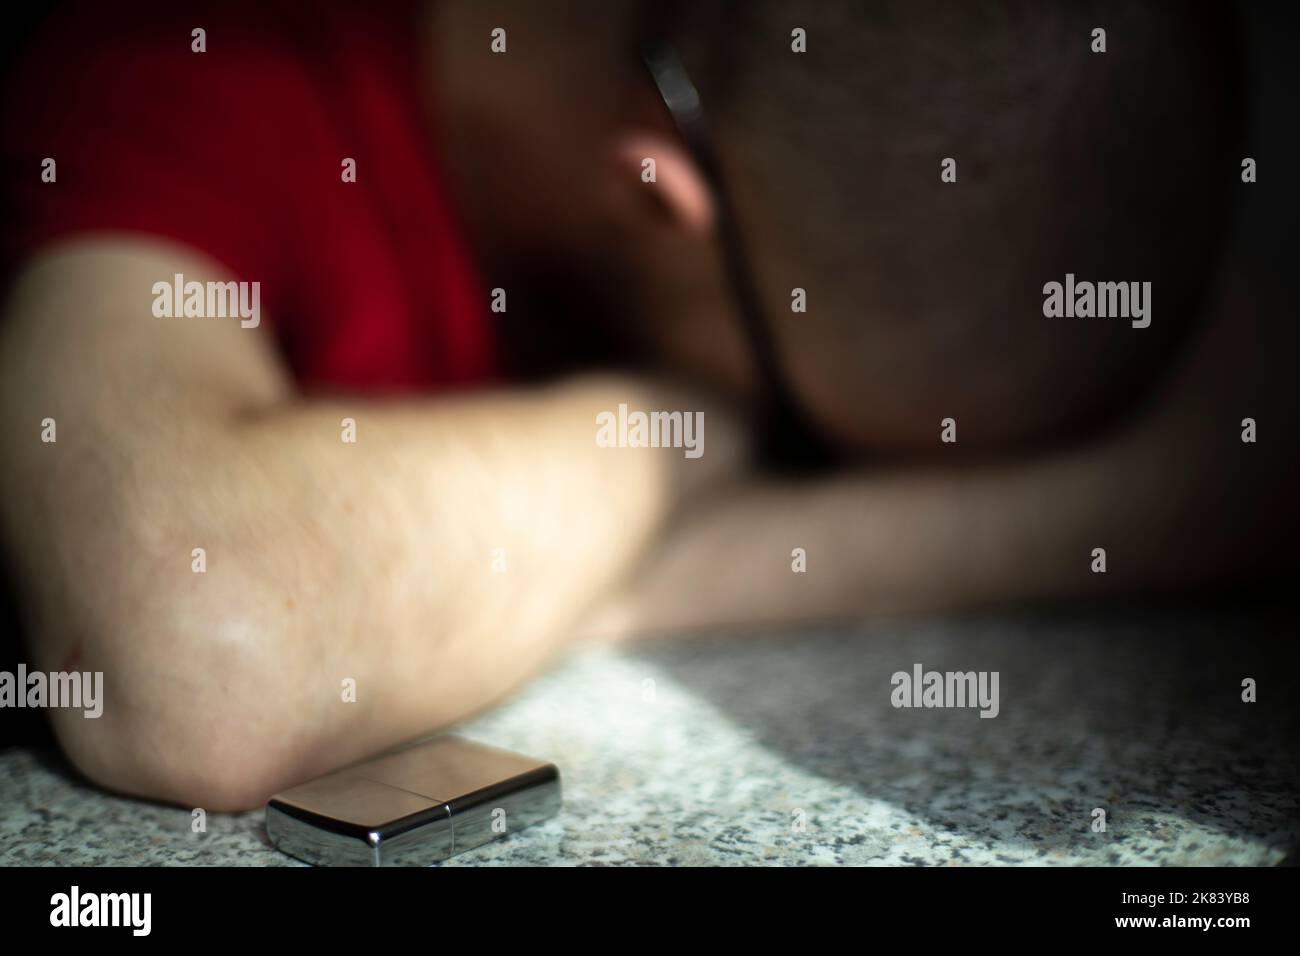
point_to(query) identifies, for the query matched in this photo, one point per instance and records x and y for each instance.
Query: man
(239, 518)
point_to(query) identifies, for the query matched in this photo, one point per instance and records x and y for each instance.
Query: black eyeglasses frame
(789, 440)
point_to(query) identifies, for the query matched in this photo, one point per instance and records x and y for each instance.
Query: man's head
(924, 298)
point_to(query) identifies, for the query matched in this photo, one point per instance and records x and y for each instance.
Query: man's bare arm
(374, 561)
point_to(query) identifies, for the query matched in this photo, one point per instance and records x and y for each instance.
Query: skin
(372, 561)
(326, 560)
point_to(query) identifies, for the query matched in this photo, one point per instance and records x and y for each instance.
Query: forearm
(444, 554)
(881, 544)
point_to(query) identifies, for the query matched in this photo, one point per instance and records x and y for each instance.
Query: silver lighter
(414, 806)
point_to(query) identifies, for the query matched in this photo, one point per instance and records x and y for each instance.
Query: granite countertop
(785, 749)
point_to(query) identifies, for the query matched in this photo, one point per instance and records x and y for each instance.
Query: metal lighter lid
(414, 806)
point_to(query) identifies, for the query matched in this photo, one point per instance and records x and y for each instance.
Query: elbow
(188, 720)
(191, 771)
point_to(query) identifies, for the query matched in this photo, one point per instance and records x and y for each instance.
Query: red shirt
(238, 152)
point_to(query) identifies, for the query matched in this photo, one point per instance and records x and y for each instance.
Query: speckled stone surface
(785, 749)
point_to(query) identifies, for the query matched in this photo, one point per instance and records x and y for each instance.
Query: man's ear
(679, 190)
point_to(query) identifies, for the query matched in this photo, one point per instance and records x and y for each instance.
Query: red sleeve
(146, 134)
